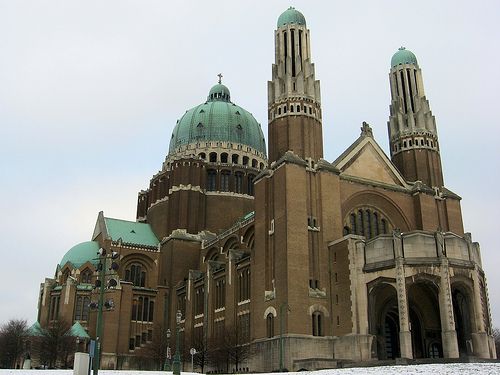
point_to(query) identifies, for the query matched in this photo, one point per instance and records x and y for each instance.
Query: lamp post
(108, 305)
(166, 366)
(176, 364)
(102, 286)
(281, 342)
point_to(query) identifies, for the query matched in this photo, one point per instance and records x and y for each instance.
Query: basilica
(308, 263)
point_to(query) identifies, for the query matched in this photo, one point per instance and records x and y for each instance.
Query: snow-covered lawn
(435, 369)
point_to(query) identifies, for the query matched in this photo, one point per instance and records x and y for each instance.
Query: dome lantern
(403, 56)
(291, 16)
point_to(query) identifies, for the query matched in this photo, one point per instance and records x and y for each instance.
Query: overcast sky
(91, 90)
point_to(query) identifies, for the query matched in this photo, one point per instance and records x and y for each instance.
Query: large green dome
(219, 120)
(80, 254)
(291, 16)
(403, 56)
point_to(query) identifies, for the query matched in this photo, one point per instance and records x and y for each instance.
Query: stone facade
(307, 262)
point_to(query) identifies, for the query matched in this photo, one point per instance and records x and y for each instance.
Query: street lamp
(100, 284)
(176, 364)
(166, 366)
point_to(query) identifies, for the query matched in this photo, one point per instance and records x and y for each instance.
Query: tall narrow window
(224, 180)
(317, 324)
(211, 180)
(285, 44)
(300, 43)
(368, 224)
(384, 226)
(353, 224)
(360, 222)
(270, 325)
(250, 184)
(375, 224)
(404, 91)
(411, 90)
(238, 182)
(135, 274)
(293, 51)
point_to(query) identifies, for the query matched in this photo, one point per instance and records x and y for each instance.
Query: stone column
(480, 343)
(406, 348)
(448, 333)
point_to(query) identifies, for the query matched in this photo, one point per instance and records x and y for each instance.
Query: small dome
(291, 16)
(80, 254)
(217, 120)
(219, 92)
(403, 56)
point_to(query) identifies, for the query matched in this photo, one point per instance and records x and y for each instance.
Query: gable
(366, 160)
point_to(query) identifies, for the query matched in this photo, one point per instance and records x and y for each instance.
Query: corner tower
(294, 104)
(413, 135)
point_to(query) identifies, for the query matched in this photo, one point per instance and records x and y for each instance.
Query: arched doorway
(384, 319)
(425, 320)
(391, 334)
(462, 313)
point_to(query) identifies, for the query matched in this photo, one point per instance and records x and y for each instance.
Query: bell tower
(413, 134)
(294, 104)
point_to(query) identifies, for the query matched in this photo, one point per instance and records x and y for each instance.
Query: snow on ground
(434, 369)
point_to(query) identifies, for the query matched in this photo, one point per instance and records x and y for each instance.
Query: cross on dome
(220, 77)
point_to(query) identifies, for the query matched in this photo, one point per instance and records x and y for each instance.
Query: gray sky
(90, 92)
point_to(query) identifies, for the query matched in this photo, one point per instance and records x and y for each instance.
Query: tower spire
(294, 101)
(412, 128)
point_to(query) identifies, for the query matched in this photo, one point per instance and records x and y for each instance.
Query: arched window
(353, 224)
(270, 325)
(367, 222)
(223, 157)
(213, 157)
(86, 276)
(234, 158)
(211, 180)
(254, 163)
(202, 155)
(136, 274)
(317, 323)
(245, 160)
(244, 285)
(383, 223)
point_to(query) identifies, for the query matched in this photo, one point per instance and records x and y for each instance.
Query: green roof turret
(291, 16)
(403, 56)
(80, 254)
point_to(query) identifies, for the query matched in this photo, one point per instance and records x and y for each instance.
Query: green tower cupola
(403, 56)
(291, 16)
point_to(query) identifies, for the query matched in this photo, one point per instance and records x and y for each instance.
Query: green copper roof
(219, 92)
(291, 16)
(131, 232)
(77, 330)
(218, 119)
(80, 254)
(403, 56)
(35, 330)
